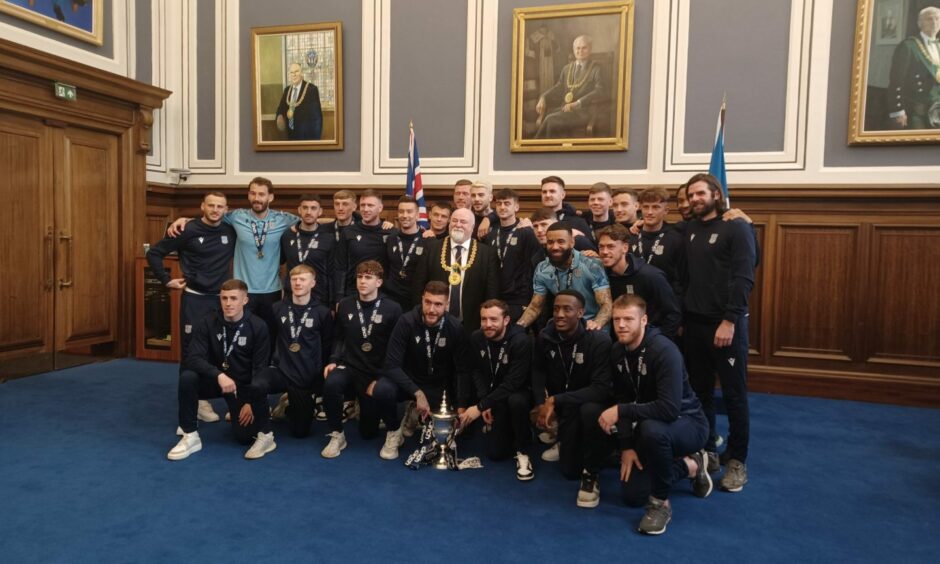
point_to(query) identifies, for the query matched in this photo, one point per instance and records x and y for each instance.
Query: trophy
(444, 427)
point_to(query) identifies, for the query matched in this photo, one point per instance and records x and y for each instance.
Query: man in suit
(914, 83)
(299, 113)
(471, 270)
(568, 102)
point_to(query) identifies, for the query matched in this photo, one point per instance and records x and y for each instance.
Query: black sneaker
(658, 514)
(589, 495)
(702, 484)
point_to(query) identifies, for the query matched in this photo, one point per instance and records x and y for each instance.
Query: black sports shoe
(702, 484)
(713, 463)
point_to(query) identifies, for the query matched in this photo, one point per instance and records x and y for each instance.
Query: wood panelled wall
(845, 303)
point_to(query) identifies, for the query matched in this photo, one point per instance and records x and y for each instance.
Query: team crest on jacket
(579, 358)
(201, 239)
(419, 251)
(225, 239)
(358, 237)
(242, 341)
(549, 352)
(713, 238)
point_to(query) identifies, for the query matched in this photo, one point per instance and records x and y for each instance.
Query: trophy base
(445, 460)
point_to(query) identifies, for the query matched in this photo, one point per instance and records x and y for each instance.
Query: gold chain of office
(929, 56)
(456, 270)
(292, 105)
(572, 86)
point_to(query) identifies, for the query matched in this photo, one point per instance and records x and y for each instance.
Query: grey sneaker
(713, 464)
(658, 514)
(702, 484)
(735, 476)
(318, 409)
(551, 454)
(393, 440)
(279, 412)
(589, 494)
(264, 443)
(189, 443)
(206, 413)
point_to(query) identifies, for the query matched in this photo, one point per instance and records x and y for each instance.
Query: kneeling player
(659, 421)
(226, 355)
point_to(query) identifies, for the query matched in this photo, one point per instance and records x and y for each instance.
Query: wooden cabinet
(157, 313)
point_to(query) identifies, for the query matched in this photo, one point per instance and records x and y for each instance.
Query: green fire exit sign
(66, 92)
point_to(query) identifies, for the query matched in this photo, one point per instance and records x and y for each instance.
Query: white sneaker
(409, 422)
(551, 453)
(206, 413)
(179, 431)
(547, 438)
(524, 467)
(189, 444)
(393, 440)
(280, 410)
(264, 443)
(336, 445)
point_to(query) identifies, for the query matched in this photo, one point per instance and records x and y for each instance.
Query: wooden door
(27, 252)
(86, 231)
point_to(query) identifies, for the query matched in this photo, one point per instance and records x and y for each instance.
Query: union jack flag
(413, 186)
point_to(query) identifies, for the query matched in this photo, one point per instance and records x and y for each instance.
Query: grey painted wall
(205, 63)
(427, 76)
(143, 36)
(259, 14)
(106, 49)
(633, 159)
(738, 47)
(838, 153)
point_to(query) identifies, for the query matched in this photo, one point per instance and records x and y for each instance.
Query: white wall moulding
(793, 155)
(376, 82)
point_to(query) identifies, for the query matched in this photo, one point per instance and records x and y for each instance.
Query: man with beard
(500, 361)
(658, 421)
(566, 269)
(205, 250)
(228, 351)
(360, 242)
(403, 250)
(311, 244)
(257, 247)
(718, 275)
(470, 269)
(629, 274)
(303, 340)
(515, 246)
(571, 383)
(364, 323)
(426, 357)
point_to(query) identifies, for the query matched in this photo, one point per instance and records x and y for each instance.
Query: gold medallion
(225, 365)
(260, 254)
(454, 278)
(294, 347)
(569, 97)
(290, 113)
(366, 347)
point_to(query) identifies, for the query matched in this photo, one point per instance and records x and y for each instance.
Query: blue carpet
(85, 479)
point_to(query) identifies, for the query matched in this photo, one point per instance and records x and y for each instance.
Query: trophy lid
(445, 411)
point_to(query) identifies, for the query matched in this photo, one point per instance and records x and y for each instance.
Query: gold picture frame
(81, 20)
(558, 106)
(894, 98)
(297, 87)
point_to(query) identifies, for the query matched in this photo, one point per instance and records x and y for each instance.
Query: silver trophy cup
(444, 427)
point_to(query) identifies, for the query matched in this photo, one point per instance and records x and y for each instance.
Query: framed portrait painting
(895, 96)
(297, 87)
(571, 77)
(82, 19)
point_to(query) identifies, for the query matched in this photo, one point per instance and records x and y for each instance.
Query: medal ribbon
(366, 333)
(569, 273)
(259, 239)
(427, 344)
(302, 256)
(499, 360)
(501, 250)
(228, 347)
(405, 257)
(639, 246)
(295, 331)
(569, 368)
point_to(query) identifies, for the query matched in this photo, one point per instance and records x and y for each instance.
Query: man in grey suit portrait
(568, 102)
